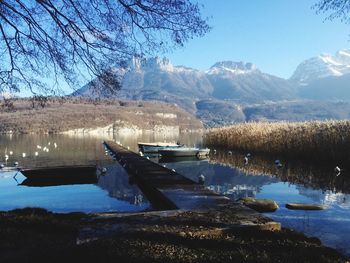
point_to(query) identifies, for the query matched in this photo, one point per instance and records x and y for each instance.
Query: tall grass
(323, 140)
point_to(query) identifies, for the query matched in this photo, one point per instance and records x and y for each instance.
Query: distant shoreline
(87, 116)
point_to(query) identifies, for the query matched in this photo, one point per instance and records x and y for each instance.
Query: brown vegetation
(320, 140)
(58, 114)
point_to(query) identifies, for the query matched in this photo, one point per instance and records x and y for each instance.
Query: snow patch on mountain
(231, 67)
(322, 66)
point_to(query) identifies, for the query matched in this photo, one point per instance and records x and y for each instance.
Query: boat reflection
(165, 159)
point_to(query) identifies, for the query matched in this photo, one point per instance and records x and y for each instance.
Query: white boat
(154, 147)
(184, 152)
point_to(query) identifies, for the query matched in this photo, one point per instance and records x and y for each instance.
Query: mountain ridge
(220, 94)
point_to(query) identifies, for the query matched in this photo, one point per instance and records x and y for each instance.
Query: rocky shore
(34, 235)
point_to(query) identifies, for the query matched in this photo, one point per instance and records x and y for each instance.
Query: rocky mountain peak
(150, 64)
(232, 67)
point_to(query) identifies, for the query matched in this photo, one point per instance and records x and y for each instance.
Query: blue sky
(276, 35)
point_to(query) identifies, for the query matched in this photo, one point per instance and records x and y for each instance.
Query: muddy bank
(35, 234)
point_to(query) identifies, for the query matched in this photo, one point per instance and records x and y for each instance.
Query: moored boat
(154, 147)
(184, 152)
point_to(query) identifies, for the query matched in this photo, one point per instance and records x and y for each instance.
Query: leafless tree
(43, 42)
(334, 9)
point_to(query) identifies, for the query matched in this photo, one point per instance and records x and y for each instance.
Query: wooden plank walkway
(167, 189)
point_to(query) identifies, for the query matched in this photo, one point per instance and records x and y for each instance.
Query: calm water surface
(225, 173)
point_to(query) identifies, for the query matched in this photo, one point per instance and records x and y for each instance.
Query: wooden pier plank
(167, 189)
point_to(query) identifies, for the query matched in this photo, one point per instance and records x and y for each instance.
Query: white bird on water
(337, 170)
(24, 155)
(246, 160)
(278, 164)
(201, 179)
(11, 152)
(38, 146)
(36, 153)
(55, 145)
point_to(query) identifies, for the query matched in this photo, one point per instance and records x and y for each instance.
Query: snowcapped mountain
(158, 79)
(322, 66)
(225, 85)
(245, 82)
(230, 92)
(325, 77)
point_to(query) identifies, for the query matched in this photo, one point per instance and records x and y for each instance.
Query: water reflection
(224, 172)
(118, 185)
(110, 192)
(294, 182)
(309, 175)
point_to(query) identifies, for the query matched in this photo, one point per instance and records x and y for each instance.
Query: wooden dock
(166, 189)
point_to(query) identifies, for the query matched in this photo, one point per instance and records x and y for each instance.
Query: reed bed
(317, 140)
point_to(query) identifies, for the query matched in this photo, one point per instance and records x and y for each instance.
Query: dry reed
(312, 140)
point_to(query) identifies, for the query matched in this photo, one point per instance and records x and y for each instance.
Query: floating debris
(295, 206)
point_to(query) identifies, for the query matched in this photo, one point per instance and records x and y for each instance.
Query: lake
(225, 173)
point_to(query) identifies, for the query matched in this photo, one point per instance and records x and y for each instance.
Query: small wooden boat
(154, 147)
(60, 173)
(184, 152)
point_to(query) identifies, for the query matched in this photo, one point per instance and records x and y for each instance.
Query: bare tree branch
(335, 9)
(43, 42)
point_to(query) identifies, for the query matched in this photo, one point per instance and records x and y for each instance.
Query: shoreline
(157, 236)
